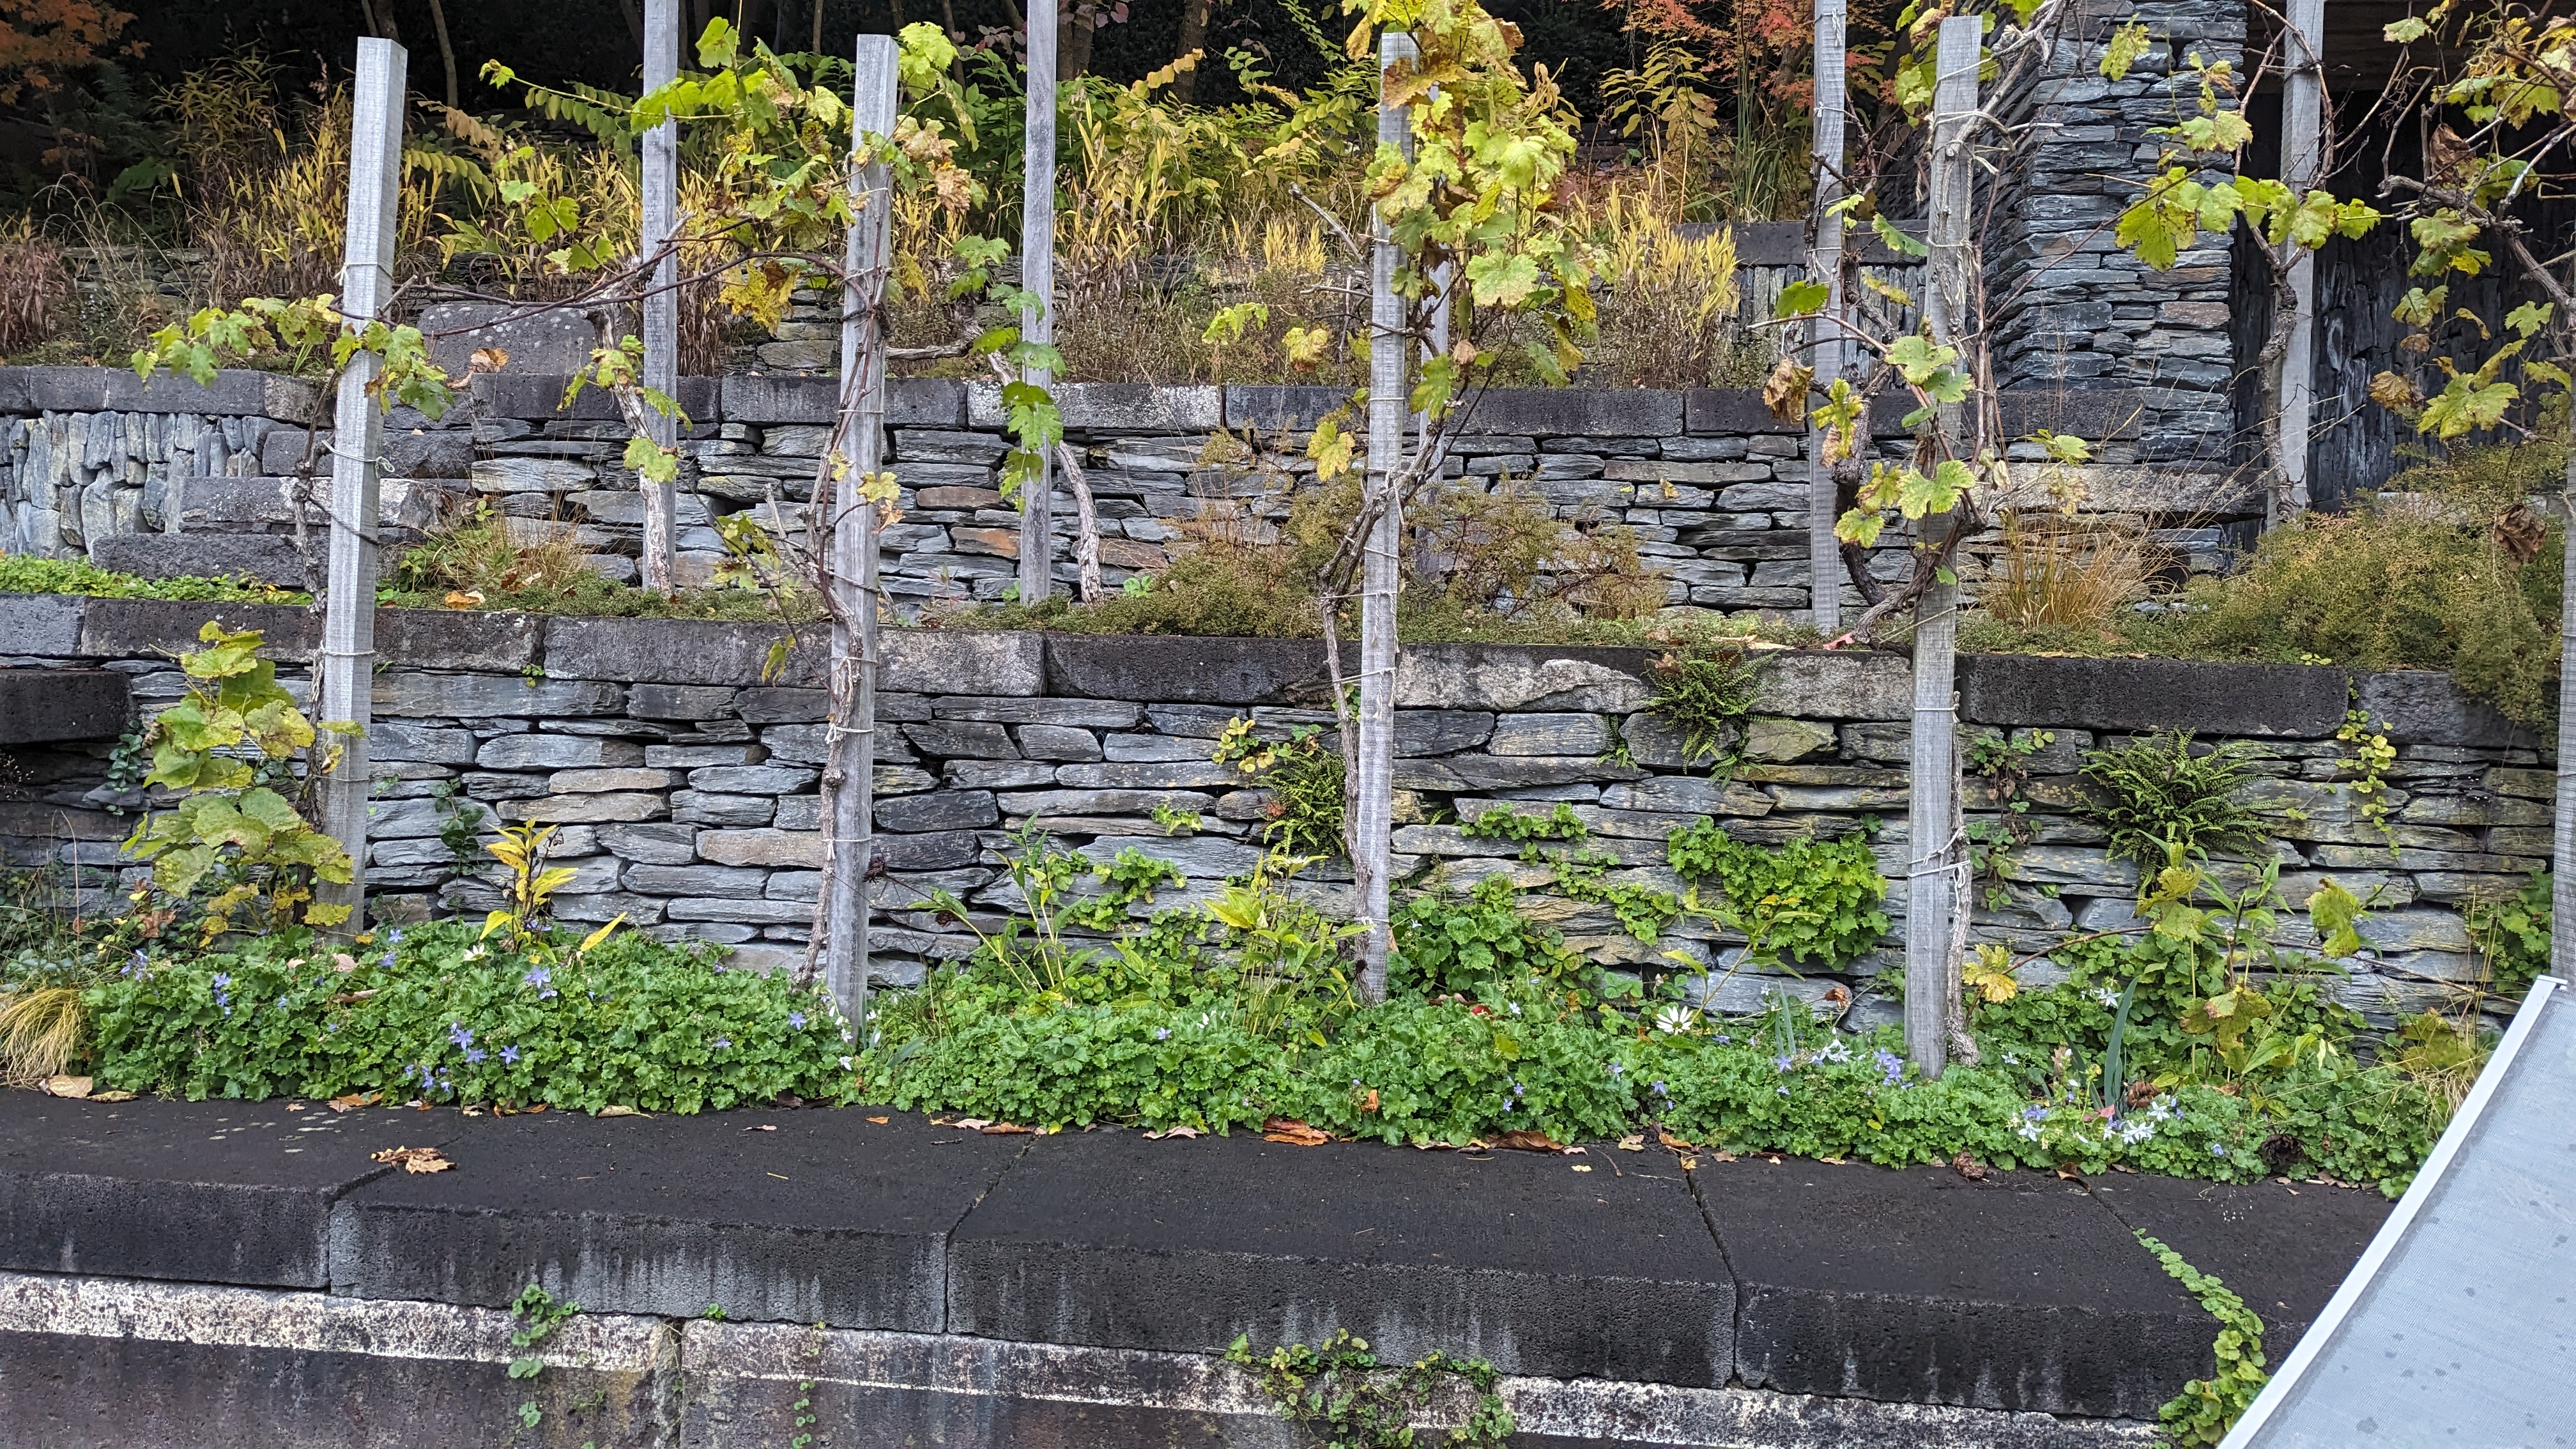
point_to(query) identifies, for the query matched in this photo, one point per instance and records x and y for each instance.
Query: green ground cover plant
(27, 574)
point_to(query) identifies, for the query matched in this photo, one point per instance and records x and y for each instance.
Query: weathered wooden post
(1825, 334)
(2302, 157)
(1372, 813)
(1037, 276)
(849, 782)
(1932, 836)
(662, 299)
(347, 659)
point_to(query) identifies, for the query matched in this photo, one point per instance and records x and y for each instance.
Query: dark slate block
(2423, 707)
(1597, 412)
(2288, 700)
(925, 402)
(1140, 407)
(149, 628)
(207, 1192)
(2019, 1293)
(1424, 732)
(764, 399)
(41, 705)
(933, 850)
(770, 705)
(233, 393)
(1149, 669)
(1840, 684)
(458, 639)
(1107, 1239)
(271, 558)
(1732, 412)
(2283, 1249)
(537, 396)
(1271, 407)
(831, 1218)
(678, 651)
(17, 391)
(47, 626)
(2096, 414)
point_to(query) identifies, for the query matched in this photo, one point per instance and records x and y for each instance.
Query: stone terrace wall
(686, 793)
(173, 478)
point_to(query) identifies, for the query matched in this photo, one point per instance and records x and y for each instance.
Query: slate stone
(771, 705)
(1135, 407)
(830, 1218)
(695, 880)
(761, 847)
(207, 1192)
(2284, 1252)
(552, 343)
(596, 782)
(690, 757)
(651, 844)
(1624, 412)
(1733, 412)
(587, 808)
(1857, 686)
(679, 701)
(2425, 707)
(939, 810)
(1420, 733)
(41, 625)
(956, 739)
(235, 392)
(458, 639)
(1687, 795)
(930, 850)
(270, 558)
(1181, 1246)
(41, 705)
(1549, 734)
(752, 779)
(676, 651)
(2019, 1292)
(1521, 677)
(403, 692)
(700, 807)
(1271, 408)
(1089, 714)
(557, 752)
(1058, 742)
(2291, 700)
(1153, 669)
(956, 661)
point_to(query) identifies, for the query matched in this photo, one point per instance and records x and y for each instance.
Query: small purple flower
(474, 1055)
(1519, 1091)
(537, 976)
(1890, 1065)
(1163, 1033)
(723, 1044)
(136, 963)
(394, 936)
(459, 1036)
(2218, 1149)
(1783, 1062)
(509, 1056)
(1658, 1089)
(1723, 1039)
(795, 1021)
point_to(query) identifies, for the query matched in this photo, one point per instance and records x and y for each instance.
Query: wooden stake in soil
(1037, 276)
(1932, 838)
(849, 774)
(662, 302)
(1372, 807)
(2302, 156)
(347, 659)
(1825, 264)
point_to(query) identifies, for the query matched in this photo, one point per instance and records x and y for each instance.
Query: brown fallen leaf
(1168, 1133)
(1689, 1162)
(464, 598)
(1721, 1155)
(487, 359)
(2068, 1172)
(1669, 1140)
(617, 1111)
(111, 1096)
(67, 1086)
(881, 1121)
(415, 1159)
(971, 1124)
(1368, 1102)
(1633, 1142)
(1294, 1133)
(1582, 1167)
(349, 998)
(1522, 1140)
(1004, 1129)
(1969, 1168)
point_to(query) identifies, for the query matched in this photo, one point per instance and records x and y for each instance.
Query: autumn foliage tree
(43, 40)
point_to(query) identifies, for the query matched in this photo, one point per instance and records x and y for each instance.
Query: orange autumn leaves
(40, 39)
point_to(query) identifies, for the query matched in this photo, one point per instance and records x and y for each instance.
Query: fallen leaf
(1369, 1102)
(1522, 1140)
(1293, 1132)
(880, 1121)
(67, 1086)
(343, 961)
(1969, 1168)
(971, 1124)
(1669, 1140)
(1836, 1161)
(1167, 1134)
(473, 1111)
(344, 998)
(618, 1111)
(762, 1127)
(415, 1159)
(464, 598)
(1001, 1129)
(1583, 1167)
(1633, 1142)
(294, 1106)
(782, 1177)
(1720, 1155)
(487, 359)
(2069, 1174)
(534, 1107)
(1690, 1162)
(111, 1096)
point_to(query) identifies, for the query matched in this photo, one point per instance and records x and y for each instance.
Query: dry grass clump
(2066, 574)
(40, 1032)
(35, 291)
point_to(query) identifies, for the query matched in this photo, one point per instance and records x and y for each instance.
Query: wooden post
(662, 300)
(1037, 275)
(1825, 264)
(1373, 792)
(849, 776)
(347, 658)
(2302, 157)
(1932, 895)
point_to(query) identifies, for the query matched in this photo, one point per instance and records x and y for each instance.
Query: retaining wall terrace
(171, 478)
(686, 790)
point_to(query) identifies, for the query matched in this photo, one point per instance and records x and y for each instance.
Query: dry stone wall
(684, 788)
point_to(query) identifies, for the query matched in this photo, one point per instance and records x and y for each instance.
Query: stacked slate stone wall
(684, 788)
(177, 479)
